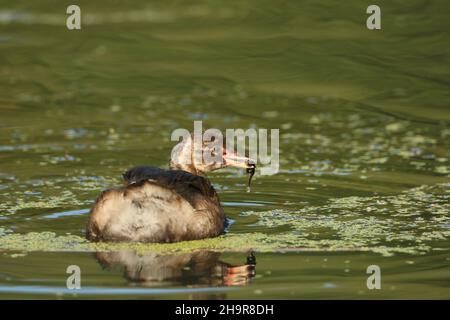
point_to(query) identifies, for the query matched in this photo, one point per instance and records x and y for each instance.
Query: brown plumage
(157, 205)
(199, 268)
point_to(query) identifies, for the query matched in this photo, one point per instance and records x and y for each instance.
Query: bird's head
(201, 156)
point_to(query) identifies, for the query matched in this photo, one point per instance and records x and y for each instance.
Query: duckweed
(382, 224)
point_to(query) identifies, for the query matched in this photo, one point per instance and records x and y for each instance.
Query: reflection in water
(199, 268)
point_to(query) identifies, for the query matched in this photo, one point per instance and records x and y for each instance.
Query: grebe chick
(158, 205)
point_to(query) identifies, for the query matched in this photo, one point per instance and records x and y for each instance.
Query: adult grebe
(157, 205)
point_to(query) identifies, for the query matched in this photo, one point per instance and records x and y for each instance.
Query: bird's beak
(232, 159)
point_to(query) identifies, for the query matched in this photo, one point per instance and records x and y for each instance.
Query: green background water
(364, 138)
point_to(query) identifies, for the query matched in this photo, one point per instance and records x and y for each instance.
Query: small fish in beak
(232, 159)
(251, 172)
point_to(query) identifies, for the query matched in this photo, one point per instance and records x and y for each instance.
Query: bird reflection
(200, 268)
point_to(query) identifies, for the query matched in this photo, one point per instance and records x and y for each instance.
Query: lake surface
(364, 145)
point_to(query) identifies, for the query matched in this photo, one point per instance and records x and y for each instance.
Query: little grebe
(158, 205)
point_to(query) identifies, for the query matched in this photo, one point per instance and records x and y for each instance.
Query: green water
(364, 140)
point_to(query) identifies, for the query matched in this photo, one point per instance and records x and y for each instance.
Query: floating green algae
(358, 143)
(55, 194)
(23, 203)
(405, 223)
(49, 241)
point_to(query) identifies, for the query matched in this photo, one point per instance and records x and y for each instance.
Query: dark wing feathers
(188, 185)
(140, 173)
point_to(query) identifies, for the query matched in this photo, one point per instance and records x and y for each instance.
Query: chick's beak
(232, 159)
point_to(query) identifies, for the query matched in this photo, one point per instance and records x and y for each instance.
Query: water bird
(200, 267)
(158, 205)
